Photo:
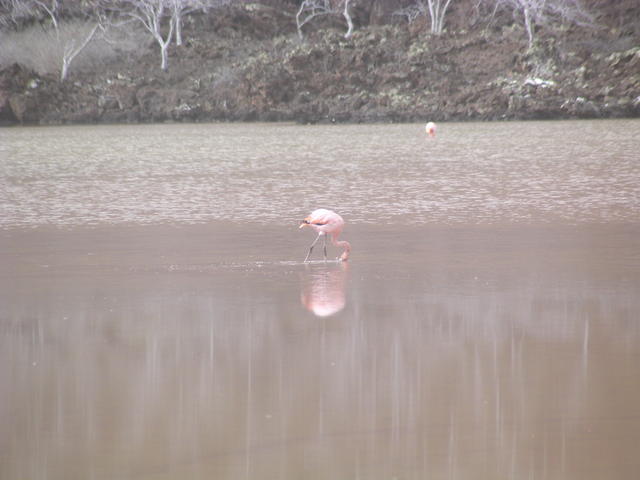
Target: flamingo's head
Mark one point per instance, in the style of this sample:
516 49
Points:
347 250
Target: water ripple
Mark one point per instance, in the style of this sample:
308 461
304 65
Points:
573 172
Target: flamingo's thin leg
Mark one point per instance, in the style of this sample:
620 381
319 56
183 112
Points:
325 248
313 245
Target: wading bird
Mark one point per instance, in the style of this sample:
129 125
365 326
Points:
431 129
326 222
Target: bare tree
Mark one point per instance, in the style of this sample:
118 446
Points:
152 14
72 49
180 8
347 16
51 7
437 10
70 45
310 9
543 12
413 11
15 11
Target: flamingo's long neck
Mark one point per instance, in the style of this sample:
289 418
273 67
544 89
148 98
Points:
342 244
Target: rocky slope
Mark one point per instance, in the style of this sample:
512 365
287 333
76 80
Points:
247 63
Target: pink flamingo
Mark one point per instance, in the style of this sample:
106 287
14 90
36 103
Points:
431 129
327 222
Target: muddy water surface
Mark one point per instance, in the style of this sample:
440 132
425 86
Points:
156 320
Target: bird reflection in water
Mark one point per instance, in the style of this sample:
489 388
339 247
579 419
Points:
324 288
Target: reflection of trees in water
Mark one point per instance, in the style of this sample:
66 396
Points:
508 383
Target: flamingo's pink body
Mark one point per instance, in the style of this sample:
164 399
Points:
327 222
431 129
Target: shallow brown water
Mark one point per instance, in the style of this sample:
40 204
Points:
470 342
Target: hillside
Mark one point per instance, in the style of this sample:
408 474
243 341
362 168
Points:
247 64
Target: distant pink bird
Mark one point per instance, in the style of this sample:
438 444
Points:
327 222
431 129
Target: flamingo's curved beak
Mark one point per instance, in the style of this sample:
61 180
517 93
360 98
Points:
304 223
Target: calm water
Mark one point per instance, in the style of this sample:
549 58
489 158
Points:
156 320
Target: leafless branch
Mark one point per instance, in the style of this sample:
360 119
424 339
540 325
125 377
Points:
437 11
543 12
310 9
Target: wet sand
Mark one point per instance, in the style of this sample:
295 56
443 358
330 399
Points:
211 351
